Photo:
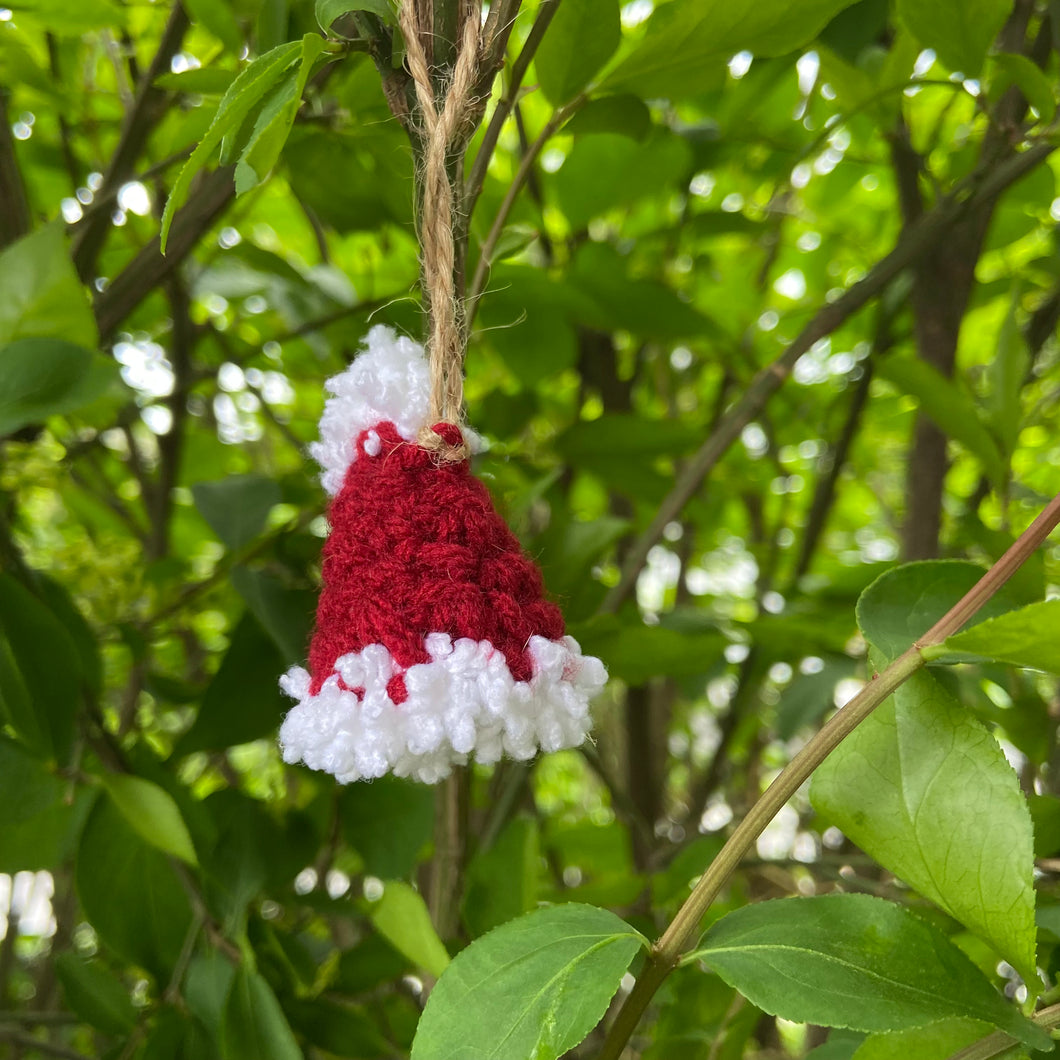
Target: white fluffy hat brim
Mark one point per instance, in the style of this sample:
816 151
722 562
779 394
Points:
463 702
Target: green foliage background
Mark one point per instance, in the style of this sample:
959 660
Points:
775 308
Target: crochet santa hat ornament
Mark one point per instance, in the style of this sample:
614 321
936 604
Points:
433 639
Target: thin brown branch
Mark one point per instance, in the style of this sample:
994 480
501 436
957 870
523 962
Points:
495 34
998 1042
149 268
140 120
477 176
230 559
42 1045
667 950
914 241
37 1019
833 464
14 216
171 444
522 174
450 851
104 199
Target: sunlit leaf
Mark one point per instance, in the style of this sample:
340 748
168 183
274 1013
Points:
925 789
401 917
534 987
152 813
852 960
580 39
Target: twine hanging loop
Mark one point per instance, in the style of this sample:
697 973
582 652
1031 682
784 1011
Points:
447 123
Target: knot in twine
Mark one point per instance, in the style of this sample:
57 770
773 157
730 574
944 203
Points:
445 442
447 124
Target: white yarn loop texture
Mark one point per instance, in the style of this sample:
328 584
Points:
388 381
463 701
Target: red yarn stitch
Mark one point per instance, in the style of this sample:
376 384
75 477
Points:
416 547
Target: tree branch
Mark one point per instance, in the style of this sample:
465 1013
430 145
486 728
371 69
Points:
14 217
666 952
140 120
914 241
832 468
495 34
999 1042
150 267
522 175
477 176
31 1043
170 444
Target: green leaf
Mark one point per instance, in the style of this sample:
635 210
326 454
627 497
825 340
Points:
951 409
623 435
26 787
340 1030
175 1035
529 324
608 170
686 46
83 637
643 306
327 11
1028 637
243 702
502 882
809 696
285 614
904 603
254 1026
532 988
936 1041
352 181
152 813
635 652
236 507
49 377
1045 813
204 80
580 39
924 788
275 120
95 995
40 294
37 821
841 1044
249 88
855 961
71 20
129 892
40 671
207 986
674 883
1037 89
388 822
625 114
570 548
1006 374
401 917
219 18
960 31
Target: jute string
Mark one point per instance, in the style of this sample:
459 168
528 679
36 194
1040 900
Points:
447 125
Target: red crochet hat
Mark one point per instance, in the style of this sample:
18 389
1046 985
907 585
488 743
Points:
433 639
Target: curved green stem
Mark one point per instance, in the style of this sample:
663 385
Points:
998 1042
666 952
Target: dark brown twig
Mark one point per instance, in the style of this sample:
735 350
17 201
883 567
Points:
915 240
